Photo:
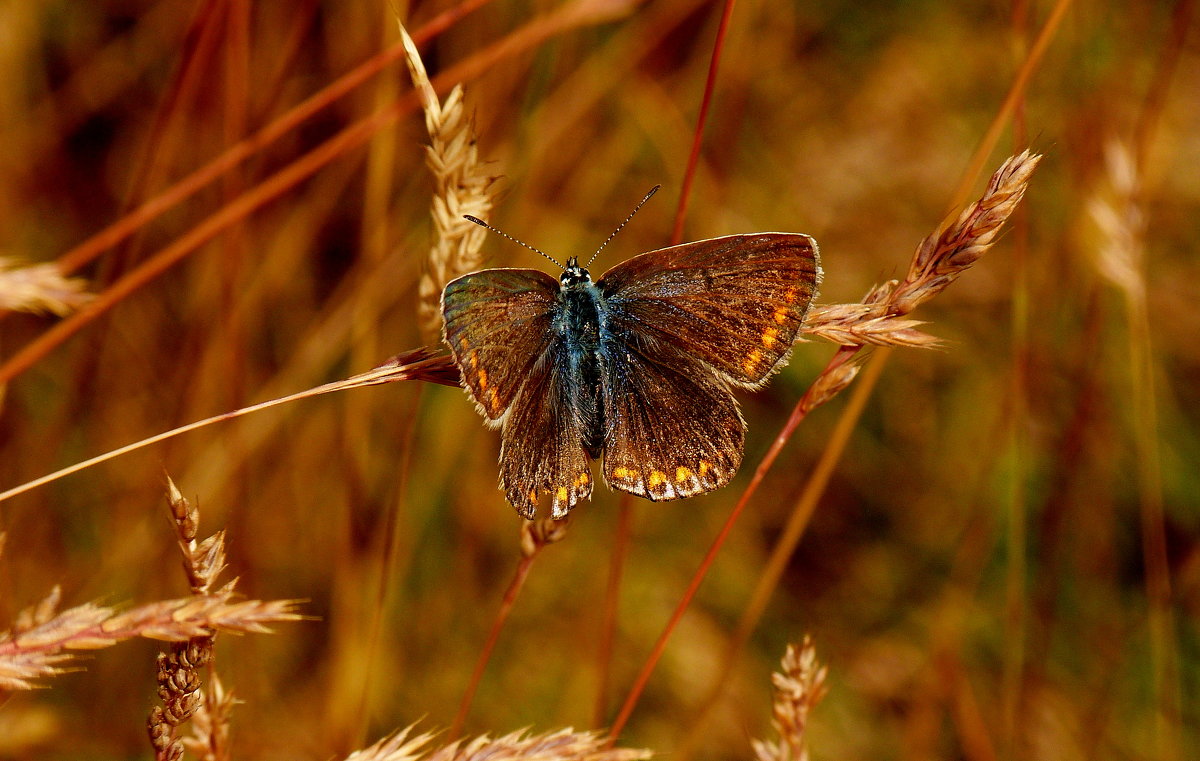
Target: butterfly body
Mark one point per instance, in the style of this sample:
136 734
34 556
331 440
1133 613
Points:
585 341
635 368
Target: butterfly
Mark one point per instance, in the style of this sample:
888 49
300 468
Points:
636 368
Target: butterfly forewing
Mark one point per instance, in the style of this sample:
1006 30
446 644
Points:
673 427
736 302
497 325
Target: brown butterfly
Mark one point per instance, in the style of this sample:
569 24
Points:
636 367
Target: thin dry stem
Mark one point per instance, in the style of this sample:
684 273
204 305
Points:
39 288
417 364
799 687
1120 258
463 186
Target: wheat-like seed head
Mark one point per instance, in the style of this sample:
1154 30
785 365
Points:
943 256
799 687
1118 218
203 561
463 186
209 740
864 325
41 638
879 320
563 745
39 288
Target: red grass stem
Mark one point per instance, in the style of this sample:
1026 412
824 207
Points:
608 616
506 606
806 403
710 86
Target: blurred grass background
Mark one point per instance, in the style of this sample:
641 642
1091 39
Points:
975 576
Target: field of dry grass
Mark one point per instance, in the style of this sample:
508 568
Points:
993 543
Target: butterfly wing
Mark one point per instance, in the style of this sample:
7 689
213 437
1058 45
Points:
736 302
499 327
673 426
686 323
541 446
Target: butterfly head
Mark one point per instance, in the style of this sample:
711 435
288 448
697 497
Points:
573 274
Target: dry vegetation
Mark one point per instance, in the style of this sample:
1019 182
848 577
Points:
995 546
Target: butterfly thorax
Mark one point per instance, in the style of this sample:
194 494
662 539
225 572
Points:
579 325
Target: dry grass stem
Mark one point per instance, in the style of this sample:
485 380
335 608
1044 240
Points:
39 288
799 687
417 364
463 186
563 745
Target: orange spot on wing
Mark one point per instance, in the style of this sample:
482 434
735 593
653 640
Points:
750 364
561 494
704 466
781 315
582 479
625 473
682 474
657 477
768 337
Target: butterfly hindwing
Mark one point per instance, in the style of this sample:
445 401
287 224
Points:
542 443
735 302
673 427
497 325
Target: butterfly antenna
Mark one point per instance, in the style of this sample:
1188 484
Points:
641 203
481 223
